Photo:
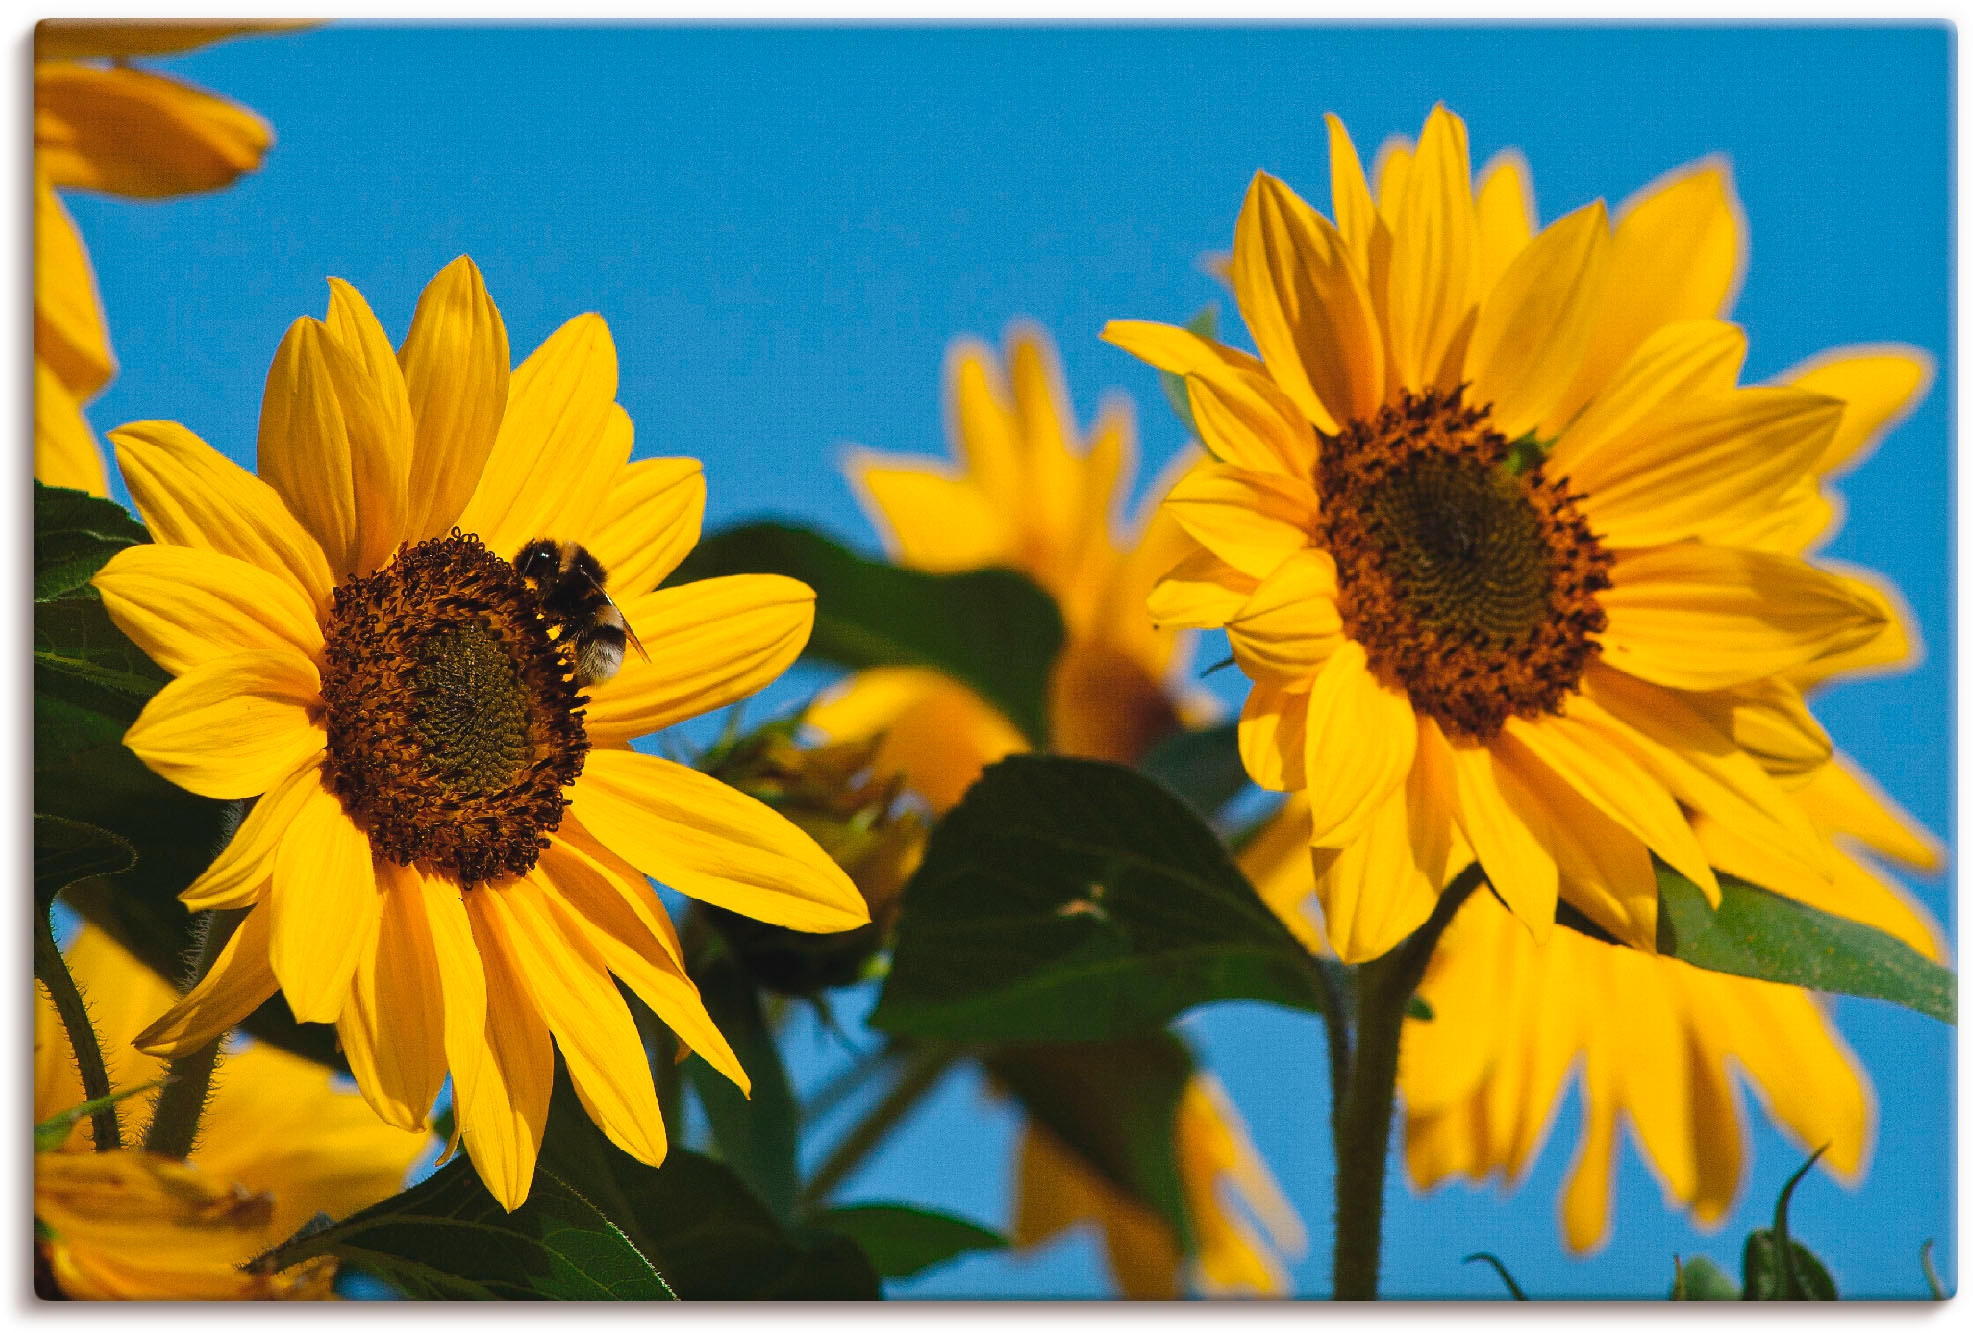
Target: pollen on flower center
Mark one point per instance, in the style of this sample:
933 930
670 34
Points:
453 714
1471 586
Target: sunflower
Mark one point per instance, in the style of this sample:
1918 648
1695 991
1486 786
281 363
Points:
1652 1035
448 852
119 130
1030 496
279 1145
1502 548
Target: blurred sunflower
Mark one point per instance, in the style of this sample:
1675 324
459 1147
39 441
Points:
1491 530
278 1145
1030 496
446 859
1652 1035
119 130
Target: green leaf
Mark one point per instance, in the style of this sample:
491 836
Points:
698 1223
903 1241
1755 933
1493 1261
75 533
53 1132
755 1135
66 851
1206 325
1069 899
448 1239
1700 1279
1114 1104
990 628
1201 768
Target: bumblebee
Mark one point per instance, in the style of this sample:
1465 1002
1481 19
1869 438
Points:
569 581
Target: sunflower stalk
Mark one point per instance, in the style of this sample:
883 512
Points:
188 1078
51 970
1364 1104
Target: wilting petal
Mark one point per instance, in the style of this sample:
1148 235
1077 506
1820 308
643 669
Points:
1534 323
1361 738
1698 617
1306 306
393 1028
455 364
648 523
190 494
326 907
233 727
714 641
710 842
236 984
186 607
129 131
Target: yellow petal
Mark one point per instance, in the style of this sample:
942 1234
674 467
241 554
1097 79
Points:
1892 646
1349 193
613 914
1251 520
129 131
1604 869
1200 591
1434 251
87 39
1706 468
571 988
354 325
65 452
928 517
455 361
1505 208
233 727
393 1028
986 434
186 607
236 984
462 983
1274 737
1506 828
560 446
575 854
1361 738
1688 359
1700 617
326 904
1533 325
503 1118
714 641
1290 626
68 315
1843 798
1678 253
1878 386
190 494
240 874
649 521
1243 418
1306 306
1771 721
1372 892
710 842
936 732
1277 861
1590 760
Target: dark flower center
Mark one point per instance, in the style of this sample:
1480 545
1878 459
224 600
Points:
1470 584
453 714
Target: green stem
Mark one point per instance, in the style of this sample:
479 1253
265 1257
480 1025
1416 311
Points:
52 971
925 1067
188 1078
1363 1129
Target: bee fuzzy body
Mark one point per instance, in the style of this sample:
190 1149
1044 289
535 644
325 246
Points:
570 582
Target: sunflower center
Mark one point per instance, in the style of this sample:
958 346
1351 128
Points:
453 715
1471 585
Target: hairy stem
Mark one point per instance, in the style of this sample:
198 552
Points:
923 1069
188 1078
1363 1130
52 971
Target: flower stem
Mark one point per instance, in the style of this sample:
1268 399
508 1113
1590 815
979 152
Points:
188 1079
52 971
924 1068
1363 1128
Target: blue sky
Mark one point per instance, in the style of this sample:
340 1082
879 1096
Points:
785 227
